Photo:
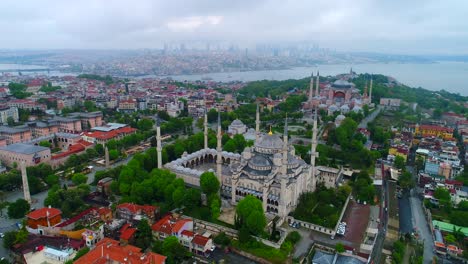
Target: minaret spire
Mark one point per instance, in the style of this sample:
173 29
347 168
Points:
24 176
311 87
313 154
257 123
205 132
284 172
106 156
219 150
370 89
158 143
365 90
317 84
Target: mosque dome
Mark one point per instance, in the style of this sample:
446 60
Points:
342 84
340 118
237 122
269 141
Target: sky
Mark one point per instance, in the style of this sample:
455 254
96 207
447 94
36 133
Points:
397 26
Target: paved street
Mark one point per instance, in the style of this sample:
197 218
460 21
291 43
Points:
370 117
406 224
420 222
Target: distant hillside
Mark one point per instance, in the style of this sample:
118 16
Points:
383 87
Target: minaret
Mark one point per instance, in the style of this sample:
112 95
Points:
158 143
313 155
24 176
257 124
317 84
106 156
205 132
219 150
370 90
284 172
365 90
311 87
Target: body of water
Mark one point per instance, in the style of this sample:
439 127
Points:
20 67
450 76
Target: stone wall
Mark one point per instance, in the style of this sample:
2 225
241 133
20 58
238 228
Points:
212 228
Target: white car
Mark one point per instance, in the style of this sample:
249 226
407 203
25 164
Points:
212 248
2 235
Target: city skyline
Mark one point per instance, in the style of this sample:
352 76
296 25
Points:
417 27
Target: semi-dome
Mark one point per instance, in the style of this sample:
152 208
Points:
342 84
259 161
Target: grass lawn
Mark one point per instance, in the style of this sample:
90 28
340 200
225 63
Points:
263 251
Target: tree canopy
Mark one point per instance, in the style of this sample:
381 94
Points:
250 215
18 209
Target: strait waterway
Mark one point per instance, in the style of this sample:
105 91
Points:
450 76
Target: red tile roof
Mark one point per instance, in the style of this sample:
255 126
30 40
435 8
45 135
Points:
454 182
436 128
103 135
188 233
111 249
169 225
42 213
200 240
135 208
179 224
128 233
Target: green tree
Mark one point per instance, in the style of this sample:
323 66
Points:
9 239
18 209
339 247
46 144
173 250
144 235
405 180
79 178
145 124
90 106
442 194
399 162
192 198
52 179
10 121
230 146
113 154
81 253
215 207
209 183
249 214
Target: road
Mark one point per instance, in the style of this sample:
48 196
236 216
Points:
420 222
370 117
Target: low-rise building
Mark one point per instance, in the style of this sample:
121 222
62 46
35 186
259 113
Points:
171 226
45 217
133 212
111 251
8 113
16 134
31 155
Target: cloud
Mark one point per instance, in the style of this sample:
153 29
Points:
419 26
192 23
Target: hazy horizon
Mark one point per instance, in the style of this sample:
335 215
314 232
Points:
396 27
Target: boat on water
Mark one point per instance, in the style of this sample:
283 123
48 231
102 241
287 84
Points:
207 78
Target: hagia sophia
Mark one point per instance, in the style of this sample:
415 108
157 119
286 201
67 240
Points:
340 96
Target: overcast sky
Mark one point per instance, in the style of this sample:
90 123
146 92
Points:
396 26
